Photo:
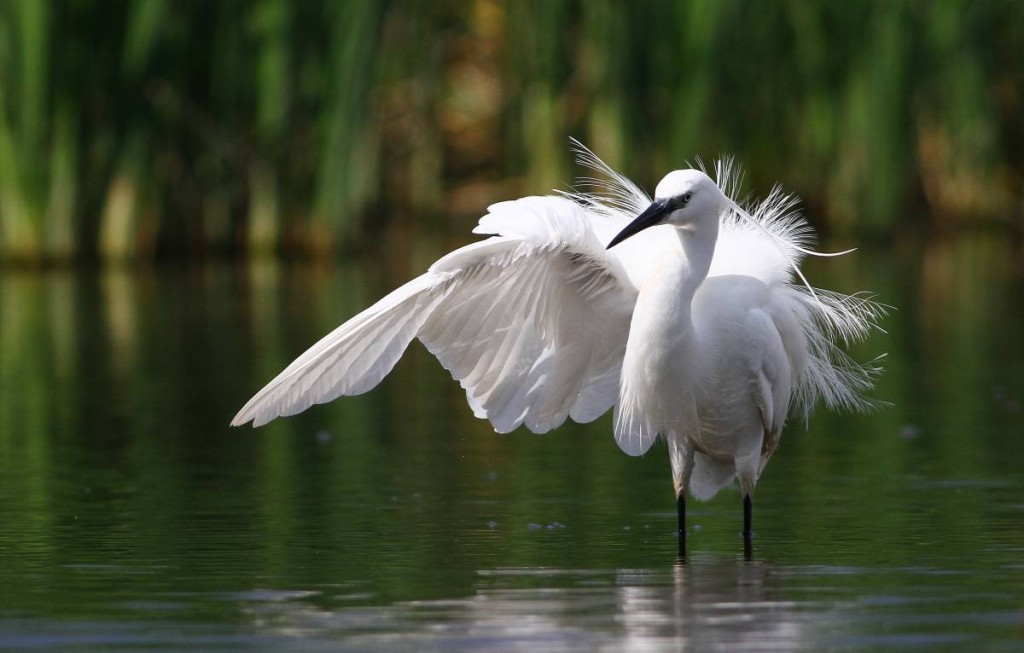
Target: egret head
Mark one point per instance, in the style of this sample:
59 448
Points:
684 199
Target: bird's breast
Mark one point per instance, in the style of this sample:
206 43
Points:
661 341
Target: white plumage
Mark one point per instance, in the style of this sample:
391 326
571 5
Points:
691 329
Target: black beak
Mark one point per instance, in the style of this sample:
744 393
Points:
652 215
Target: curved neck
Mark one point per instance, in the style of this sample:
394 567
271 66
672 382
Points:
698 242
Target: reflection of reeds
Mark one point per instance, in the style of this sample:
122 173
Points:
128 129
115 392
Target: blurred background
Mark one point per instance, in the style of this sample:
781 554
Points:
151 129
192 192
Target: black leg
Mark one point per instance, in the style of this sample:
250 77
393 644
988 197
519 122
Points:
748 544
681 512
748 508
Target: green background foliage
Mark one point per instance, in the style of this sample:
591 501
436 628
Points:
147 128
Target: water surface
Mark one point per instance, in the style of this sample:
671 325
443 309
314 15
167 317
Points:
132 517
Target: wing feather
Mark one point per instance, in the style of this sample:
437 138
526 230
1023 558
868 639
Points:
351 359
542 326
532 322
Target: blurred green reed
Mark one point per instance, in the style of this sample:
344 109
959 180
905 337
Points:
145 128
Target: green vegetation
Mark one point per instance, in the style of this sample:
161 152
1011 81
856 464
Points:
130 130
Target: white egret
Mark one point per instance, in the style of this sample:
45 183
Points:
688 323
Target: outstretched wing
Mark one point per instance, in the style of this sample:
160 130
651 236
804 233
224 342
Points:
533 323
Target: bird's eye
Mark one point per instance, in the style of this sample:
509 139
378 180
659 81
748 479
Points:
687 196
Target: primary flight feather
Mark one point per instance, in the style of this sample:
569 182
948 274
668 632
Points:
680 312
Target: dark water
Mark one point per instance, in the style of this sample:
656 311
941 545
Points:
132 517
